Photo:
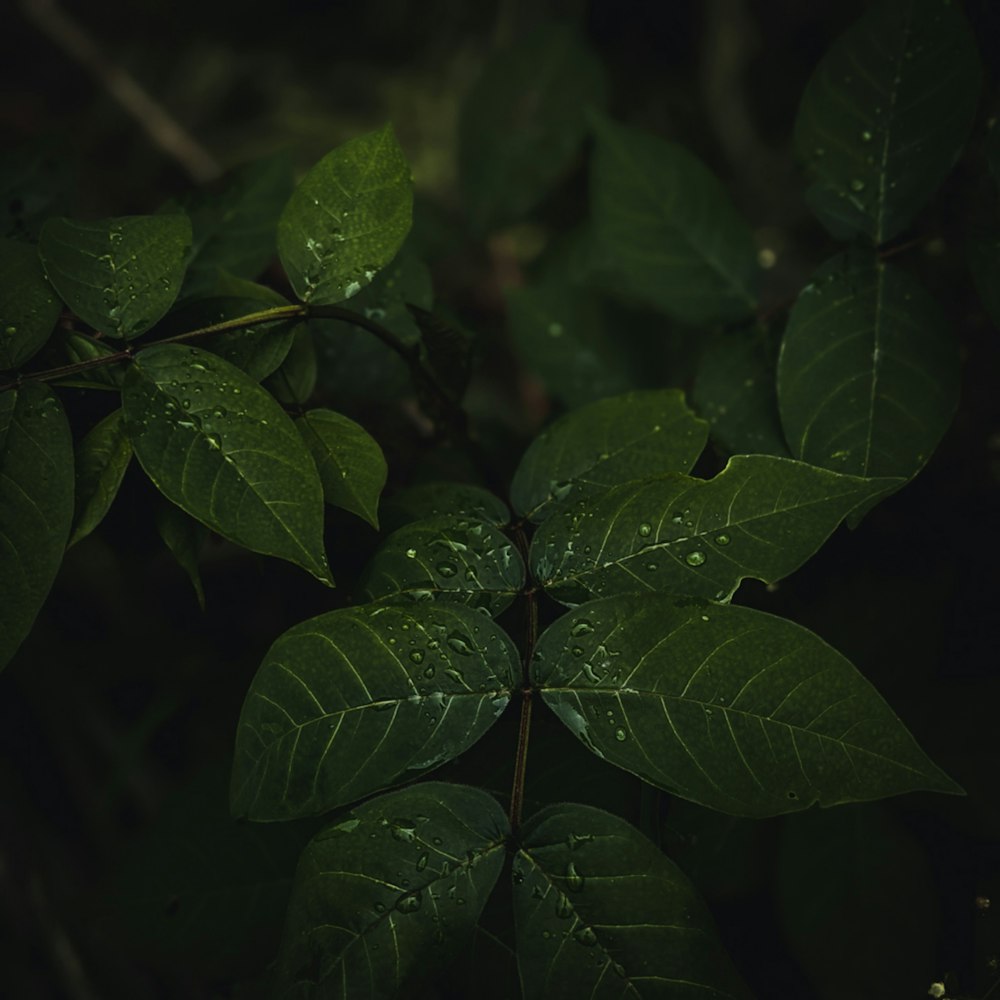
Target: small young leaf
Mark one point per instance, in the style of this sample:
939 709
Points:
101 460
728 707
363 698
601 913
761 517
119 275
184 537
72 348
448 558
429 499
217 445
295 381
36 506
868 374
885 115
347 218
588 451
351 465
391 892
28 306
523 123
678 242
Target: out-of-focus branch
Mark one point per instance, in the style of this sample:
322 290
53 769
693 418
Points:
164 130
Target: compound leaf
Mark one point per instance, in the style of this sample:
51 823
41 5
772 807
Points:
217 445
362 698
728 707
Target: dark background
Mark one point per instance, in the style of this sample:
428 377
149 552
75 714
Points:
117 717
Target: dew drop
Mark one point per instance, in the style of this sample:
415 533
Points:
564 908
645 530
722 539
866 136
857 185
621 735
446 569
422 862
403 830
695 558
461 644
581 627
411 553
586 937
573 878
417 656
409 902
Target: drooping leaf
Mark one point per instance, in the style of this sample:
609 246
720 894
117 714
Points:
885 115
184 536
351 465
36 505
347 218
217 445
390 893
868 374
735 393
728 707
407 280
601 913
523 122
355 365
446 352
429 499
362 698
632 436
558 331
119 275
678 243
448 558
295 380
28 306
983 255
761 517
101 460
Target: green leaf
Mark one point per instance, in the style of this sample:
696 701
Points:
983 255
428 499
73 348
761 517
590 450
351 465
559 333
101 460
363 698
36 506
119 275
868 374
735 393
184 537
446 352
601 913
217 445
523 123
391 892
885 115
28 307
407 280
449 558
347 218
295 381
728 707
679 244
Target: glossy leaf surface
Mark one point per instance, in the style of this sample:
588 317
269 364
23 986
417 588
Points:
219 446
728 707
761 517
101 460
362 698
119 275
678 242
448 558
885 115
29 307
601 913
347 218
36 506
390 892
632 436
868 374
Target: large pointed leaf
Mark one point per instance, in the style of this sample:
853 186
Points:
761 517
101 460
440 497
28 306
219 446
36 505
390 893
351 465
731 708
523 122
676 239
885 116
362 698
119 275
454 559
601 913
347 218
586 452
868 374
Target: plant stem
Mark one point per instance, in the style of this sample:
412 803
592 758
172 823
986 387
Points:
520 760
